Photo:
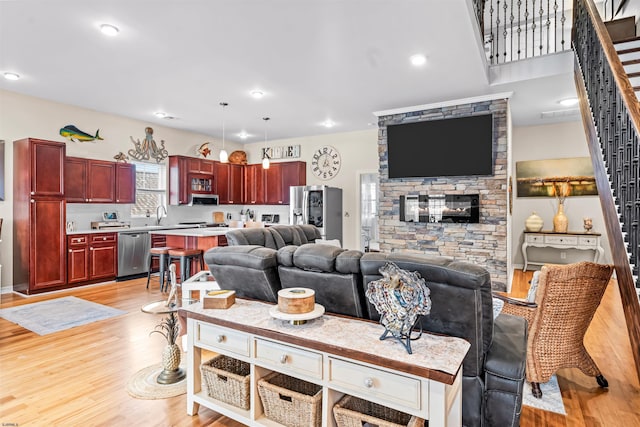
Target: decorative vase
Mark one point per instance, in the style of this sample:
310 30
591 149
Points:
533 223
560 220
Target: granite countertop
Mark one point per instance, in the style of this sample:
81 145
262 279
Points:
195 232
432 352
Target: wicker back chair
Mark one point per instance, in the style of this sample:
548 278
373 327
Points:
566 300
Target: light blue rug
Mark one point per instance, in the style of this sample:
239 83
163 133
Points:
58 314
551 397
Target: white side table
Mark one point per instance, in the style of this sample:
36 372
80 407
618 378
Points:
571 240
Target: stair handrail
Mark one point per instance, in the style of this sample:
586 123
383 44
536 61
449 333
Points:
622 81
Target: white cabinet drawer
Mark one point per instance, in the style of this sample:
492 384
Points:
589 242
561 240
534 238
370 382
223 339
289 359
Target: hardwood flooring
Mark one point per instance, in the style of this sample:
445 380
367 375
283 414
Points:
78 376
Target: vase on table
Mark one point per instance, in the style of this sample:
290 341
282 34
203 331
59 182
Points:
560 220
533 223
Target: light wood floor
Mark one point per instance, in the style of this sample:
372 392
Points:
78 377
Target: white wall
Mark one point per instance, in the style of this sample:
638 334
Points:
552 142
359 153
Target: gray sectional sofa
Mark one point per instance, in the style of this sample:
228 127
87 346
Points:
261 261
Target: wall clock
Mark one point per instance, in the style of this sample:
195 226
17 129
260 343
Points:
325 163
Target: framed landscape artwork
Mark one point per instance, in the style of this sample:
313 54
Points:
543 178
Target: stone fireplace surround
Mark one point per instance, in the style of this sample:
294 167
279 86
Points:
484 243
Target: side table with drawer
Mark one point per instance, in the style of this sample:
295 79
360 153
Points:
571 240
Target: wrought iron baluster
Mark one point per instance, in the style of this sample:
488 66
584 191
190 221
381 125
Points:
541 12
504 30
562 20
519 31
497 31
533 29
492 40
511 18
526 25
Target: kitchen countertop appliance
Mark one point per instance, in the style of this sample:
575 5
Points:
133 254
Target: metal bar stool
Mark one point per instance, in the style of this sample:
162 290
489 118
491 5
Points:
162 254
185 256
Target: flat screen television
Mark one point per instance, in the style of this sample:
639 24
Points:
461 146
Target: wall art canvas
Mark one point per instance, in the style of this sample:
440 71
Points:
542 178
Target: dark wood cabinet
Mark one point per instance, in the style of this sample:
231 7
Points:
39 240
229 183
77 258
92 257
201 166
188 175
254 185
99 181
125 183
273 185
292 174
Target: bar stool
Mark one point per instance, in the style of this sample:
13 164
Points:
162 254
185 256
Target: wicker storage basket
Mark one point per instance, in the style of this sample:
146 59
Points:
227 379
291 401
353 412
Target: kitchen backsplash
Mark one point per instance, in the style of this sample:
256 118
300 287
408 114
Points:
83 214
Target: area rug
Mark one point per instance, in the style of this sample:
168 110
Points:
47 317
143 385
551 397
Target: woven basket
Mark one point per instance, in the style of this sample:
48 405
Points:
353 412
227 380
291 401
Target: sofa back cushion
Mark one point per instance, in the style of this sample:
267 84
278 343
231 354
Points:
460 295
251 236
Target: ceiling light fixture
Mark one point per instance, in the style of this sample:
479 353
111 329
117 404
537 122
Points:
569 102
243 135
11 76
160 114
224 157
109 30
418 60
328 123
257 94
265 157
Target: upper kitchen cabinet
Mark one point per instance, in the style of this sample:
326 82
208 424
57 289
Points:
229 180
98 181
273 185
42 172
125 183
279 177
200 166
188 175
254 184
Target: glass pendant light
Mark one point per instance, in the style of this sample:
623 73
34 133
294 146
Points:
224 157
265 157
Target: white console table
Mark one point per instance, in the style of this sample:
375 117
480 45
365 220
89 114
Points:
343 355
571 240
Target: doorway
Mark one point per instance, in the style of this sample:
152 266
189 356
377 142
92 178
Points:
369 235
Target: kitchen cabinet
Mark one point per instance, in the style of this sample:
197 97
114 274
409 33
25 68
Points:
188 175
39 210
98 181
273 185
292 174
91 257
125 183
229 179
254 184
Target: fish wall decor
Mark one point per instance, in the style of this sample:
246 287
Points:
72 133
204 150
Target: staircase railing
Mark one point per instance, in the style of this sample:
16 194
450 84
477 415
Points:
520 29
611 117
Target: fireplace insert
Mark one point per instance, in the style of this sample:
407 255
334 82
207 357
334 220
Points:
444 208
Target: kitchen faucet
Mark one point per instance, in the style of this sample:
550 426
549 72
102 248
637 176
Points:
159 210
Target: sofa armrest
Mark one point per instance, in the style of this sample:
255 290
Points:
505 365
514 301
285 255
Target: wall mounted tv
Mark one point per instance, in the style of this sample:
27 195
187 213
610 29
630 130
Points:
461 146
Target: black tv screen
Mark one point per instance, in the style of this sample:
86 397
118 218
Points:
460 146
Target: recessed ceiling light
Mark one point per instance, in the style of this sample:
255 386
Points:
328 123
569 102
243 135
418 60
12 76
109 30
160 114
257 94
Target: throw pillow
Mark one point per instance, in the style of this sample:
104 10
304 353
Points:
531 295
334 242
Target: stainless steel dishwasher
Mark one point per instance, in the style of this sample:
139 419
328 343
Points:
133 253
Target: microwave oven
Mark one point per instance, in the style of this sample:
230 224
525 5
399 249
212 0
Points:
204 200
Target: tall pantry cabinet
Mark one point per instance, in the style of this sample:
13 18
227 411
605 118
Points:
39 238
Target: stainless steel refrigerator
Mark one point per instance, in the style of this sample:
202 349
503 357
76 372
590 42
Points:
317 205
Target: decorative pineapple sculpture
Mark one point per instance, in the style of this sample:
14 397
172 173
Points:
171 357
169 328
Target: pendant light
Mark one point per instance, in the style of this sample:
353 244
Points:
265 157
224 157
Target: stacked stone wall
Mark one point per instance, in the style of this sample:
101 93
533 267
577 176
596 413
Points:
484 243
